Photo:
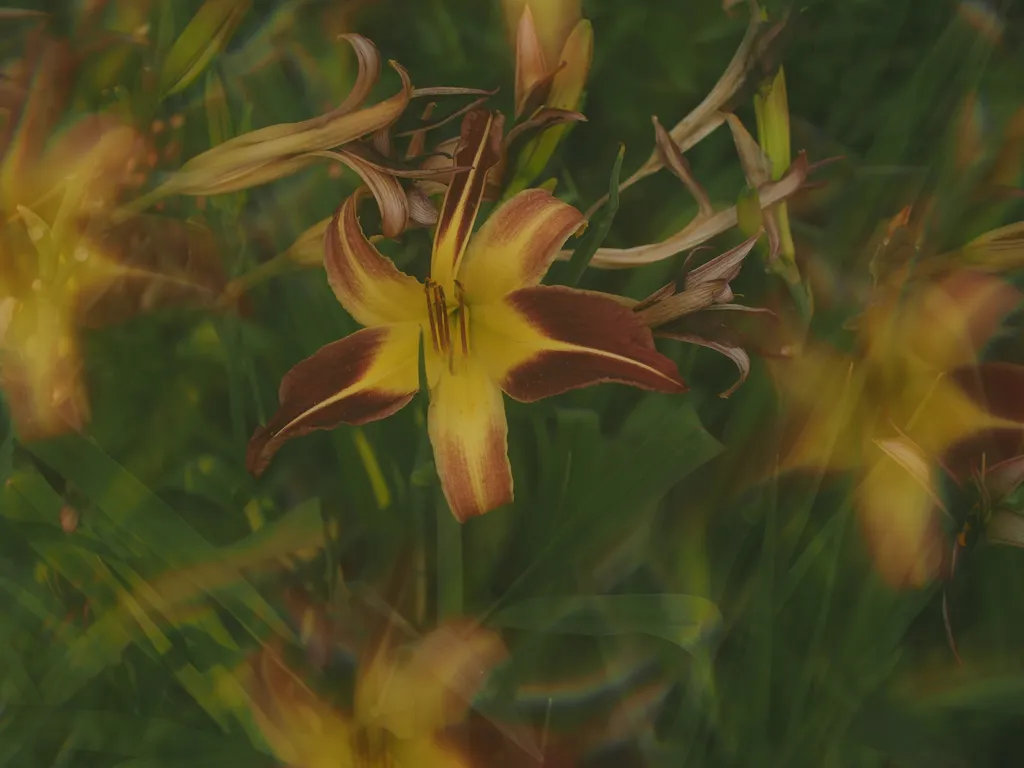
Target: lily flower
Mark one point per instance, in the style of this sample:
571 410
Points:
400 710
896 410
487 324
63 262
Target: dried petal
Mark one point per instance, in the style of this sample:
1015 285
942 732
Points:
706 117
673 158
270 153
385 188
543 119
700 230
737 354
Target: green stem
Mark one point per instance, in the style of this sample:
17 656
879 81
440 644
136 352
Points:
449 562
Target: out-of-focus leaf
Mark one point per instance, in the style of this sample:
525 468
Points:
591 241
6 445
218 116
167 541
206 35
997 250
16 14
681 619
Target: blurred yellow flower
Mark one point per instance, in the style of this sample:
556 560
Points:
62 257
891 411
404 699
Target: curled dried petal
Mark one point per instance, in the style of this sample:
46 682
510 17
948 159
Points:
700 230
390 197
670 155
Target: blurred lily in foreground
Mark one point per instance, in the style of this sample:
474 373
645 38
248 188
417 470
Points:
402 704
683 310
893 411
63 263
488 327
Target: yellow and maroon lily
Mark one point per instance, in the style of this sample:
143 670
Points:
487 324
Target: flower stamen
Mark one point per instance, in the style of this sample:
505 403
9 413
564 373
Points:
463 311
428 291
437 311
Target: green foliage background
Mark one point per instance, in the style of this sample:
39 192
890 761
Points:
756 611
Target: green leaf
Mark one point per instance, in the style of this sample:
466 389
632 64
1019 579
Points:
206 35
595 234
166 543
684 620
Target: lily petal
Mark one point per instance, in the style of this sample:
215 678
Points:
362 378
270 153
699 230
516 245
385 188
725 266
531 67
554 20
545 340
677 163
737 354
479 150
432 686
467 427
901 528
571 75
368 285
300 728
368 58
542 120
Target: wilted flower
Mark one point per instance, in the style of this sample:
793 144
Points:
403 702
491 329
683 310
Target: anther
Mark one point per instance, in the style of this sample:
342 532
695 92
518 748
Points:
463 310
437 312
441 308
429 290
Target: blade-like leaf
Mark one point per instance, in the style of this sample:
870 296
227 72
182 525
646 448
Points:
206 35
684 620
